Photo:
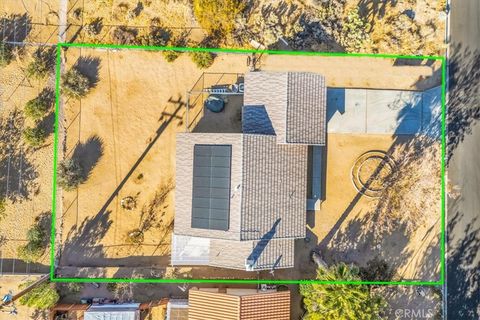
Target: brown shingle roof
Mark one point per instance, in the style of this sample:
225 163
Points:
296 103
206 305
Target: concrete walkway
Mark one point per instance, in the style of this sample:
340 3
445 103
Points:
383 111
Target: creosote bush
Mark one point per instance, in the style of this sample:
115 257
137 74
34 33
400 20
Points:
6 53
75 84
43 62
202 59
38 107
171 55
135 236
35 136
35 247
70 174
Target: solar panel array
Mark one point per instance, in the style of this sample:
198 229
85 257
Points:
211 186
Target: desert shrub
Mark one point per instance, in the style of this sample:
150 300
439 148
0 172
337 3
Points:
124 35
158 36
3 208
36 245
354 32
135 236
43 62
94 27
75 84
217 16
342 302
202 59
171 55
6 53
70 174
38 107
376 270
35 136
74 287
43 296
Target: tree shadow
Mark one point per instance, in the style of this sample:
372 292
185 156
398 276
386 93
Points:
17 173
462 269
464 95
88 154
374 9
386 229
89 66
82 242
15 27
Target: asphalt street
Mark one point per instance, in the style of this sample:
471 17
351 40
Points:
463 149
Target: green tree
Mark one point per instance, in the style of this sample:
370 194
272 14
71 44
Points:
217 16
42 63
70 174
35 136
202 59
38 107
75 84
43 296
6 53
36 245
340 301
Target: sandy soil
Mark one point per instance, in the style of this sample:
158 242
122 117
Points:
11 283
125 130
348 227
29 178
37 20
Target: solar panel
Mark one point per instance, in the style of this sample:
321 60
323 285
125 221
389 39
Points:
211 186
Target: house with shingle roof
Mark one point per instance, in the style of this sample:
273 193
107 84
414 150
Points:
241 198
231 304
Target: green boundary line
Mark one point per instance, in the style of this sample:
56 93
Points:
247 281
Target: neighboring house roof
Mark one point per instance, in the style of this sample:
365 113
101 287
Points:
113 312
223 306
177 309
296 103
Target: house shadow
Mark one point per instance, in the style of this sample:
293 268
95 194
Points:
88 154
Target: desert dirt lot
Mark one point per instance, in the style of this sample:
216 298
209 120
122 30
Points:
31 21
25 172
124 133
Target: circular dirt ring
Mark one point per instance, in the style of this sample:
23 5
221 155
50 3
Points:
370 171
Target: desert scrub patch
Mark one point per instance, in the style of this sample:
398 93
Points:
38 107
42 63
217 16
36 244
34 136
202 59
75 84
70 174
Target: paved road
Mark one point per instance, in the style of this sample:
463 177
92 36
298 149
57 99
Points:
463 212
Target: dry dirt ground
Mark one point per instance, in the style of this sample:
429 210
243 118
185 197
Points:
25 172
124 131
11 283
33 21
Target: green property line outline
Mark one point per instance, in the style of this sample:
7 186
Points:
248 281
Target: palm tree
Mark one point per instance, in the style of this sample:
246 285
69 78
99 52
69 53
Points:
340 301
